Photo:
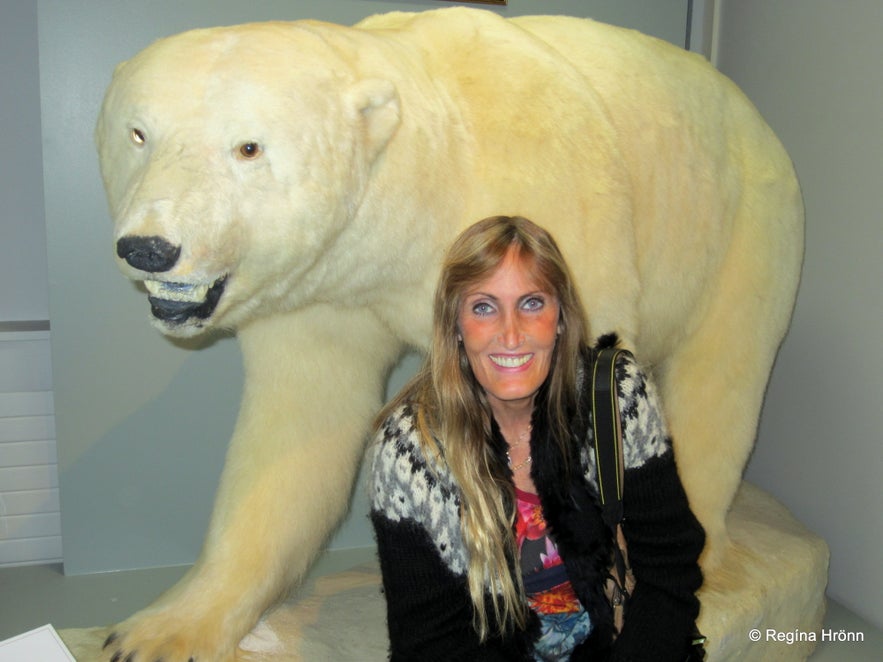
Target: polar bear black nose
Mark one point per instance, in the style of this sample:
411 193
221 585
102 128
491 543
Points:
151 254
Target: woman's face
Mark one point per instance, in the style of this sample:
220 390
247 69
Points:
509 324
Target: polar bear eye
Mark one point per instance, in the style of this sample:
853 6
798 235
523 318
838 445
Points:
250 150
137 136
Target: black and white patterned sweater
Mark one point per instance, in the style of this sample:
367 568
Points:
415 512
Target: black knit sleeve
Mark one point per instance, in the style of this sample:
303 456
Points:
429 613
415 513
664 542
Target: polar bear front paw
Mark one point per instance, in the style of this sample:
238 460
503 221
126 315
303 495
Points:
157 639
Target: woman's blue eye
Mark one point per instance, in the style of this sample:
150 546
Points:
533 303
482 309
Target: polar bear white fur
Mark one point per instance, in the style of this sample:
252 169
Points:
298 182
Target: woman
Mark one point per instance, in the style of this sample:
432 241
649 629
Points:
489 533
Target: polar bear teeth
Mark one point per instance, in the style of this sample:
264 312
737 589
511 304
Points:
176 291
177 304
511 361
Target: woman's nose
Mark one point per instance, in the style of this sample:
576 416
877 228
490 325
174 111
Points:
511 335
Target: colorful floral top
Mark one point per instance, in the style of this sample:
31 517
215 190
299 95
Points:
546 584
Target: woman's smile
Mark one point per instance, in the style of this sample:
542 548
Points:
506 361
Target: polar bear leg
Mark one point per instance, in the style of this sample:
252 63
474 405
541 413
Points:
313 383
713 382
712 406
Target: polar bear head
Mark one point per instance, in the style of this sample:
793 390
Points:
234 160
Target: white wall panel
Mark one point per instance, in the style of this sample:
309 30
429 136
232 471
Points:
30 551
30 519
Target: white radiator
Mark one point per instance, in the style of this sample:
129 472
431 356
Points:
30 522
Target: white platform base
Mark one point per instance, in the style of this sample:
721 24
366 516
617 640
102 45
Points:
772 579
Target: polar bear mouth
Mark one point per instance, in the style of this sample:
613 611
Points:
176 303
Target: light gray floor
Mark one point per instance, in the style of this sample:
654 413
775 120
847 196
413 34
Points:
31 596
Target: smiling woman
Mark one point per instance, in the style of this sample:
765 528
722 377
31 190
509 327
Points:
487 440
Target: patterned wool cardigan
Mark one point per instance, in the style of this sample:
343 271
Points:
415 512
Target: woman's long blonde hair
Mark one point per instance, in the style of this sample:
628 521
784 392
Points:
454 410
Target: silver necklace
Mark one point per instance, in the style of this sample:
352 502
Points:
521 439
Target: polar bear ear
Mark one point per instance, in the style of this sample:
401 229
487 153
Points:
375 103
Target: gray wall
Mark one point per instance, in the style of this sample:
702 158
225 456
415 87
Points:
813 69
142 422
24 294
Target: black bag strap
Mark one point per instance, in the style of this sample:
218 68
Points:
610 463
607 432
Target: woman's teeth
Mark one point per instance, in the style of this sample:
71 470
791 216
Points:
511 361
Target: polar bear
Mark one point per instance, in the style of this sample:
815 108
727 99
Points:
298 182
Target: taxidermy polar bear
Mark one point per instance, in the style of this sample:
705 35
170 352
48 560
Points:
298 182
